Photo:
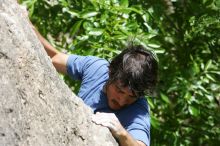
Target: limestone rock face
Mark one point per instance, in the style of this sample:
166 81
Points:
36 106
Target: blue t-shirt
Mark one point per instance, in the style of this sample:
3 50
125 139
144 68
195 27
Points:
93 74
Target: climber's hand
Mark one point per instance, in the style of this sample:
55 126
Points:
111 121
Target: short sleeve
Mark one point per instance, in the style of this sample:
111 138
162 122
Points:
90 70
80 67
136 120
75 66
140 132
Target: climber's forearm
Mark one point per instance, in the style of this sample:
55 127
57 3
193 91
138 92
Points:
59 59
51 51
111 121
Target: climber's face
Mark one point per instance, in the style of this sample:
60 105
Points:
119 96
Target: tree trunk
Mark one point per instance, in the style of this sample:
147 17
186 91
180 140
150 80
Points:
36 106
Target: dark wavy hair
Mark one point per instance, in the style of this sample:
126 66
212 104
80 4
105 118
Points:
137 68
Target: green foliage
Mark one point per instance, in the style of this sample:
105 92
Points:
100 28
184 34
188 111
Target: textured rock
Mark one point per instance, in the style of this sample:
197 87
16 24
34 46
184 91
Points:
36 106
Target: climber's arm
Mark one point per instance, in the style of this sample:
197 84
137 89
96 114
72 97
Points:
59 59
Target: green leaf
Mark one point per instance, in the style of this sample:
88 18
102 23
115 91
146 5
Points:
31 11
209 97
87 25
155 122
208 2
104 17
89 14
196 68
202 88
63 3
113 50
136 9
149 100
96 32
165 98
124 3
120 37
210 77
193 111
145 17
153 45
52 3
83 38
215 72
95 4
208 65
71 12
159 51
149 36
30 5
75 27
148 27
188 96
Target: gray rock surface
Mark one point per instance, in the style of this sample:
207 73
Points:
36 106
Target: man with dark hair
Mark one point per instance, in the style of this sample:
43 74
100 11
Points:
114 91
136 68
